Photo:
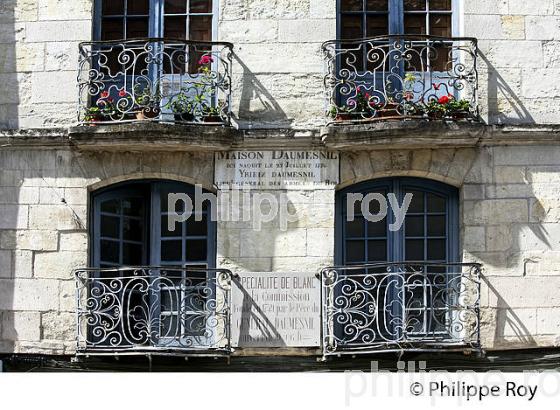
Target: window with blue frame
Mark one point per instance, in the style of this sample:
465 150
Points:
176 19
369 18
429 232
404 274
130 228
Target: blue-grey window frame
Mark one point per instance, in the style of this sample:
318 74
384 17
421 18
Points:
396 240
155 25
396 18
152 247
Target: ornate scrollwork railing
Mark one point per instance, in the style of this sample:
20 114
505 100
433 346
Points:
400 306
151 309
401 76
156 79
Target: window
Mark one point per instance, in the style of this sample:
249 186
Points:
130 231
130 228
399 285
429 233
369 18
179 19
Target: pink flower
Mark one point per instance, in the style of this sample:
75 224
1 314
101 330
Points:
443 100
122 93
105 94
206 59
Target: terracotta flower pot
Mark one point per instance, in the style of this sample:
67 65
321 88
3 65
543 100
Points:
147 114
212 118
184 117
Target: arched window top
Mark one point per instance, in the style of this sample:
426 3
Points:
428 230
130 227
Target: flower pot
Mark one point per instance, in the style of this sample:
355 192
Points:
212 118
184 117
389 110
459 115
147 113
435 115
344 116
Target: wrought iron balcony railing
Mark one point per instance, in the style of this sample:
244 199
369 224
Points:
153 309
400 306
401 76
164 80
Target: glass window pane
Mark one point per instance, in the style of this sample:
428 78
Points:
440 25
109 251
195 250
171 251
200 28
112 206
377 5
132 254
415 23
201 6
112 7
197 228
110 226
177 230
178 206
377 25
169 299
436 249
355 228
377 229
414 226
169 326
355 251
417 203
414 250
435 203
132 229
440 5
413 5
351 5
351 27
138 7
137 27
175 27
377 251
175 6
133 206
112 29
436 226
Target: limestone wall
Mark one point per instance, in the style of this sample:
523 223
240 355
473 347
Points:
510 223
278 64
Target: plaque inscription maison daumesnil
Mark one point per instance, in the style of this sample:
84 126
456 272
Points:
276 169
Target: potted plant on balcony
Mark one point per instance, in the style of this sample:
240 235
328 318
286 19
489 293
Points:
148 103
181 107
458 109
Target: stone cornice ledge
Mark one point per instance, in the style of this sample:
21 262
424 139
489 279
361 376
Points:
153 136
403 134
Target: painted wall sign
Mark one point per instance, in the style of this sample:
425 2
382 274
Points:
277 169
271 309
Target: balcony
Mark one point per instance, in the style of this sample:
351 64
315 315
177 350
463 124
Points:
401 77
162 310
154 80
400 307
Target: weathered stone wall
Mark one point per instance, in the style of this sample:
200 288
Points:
278 66
510 222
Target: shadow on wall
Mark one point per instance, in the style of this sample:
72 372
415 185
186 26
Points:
9 90
256 104
498 89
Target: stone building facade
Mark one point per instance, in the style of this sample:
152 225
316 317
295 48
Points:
506 167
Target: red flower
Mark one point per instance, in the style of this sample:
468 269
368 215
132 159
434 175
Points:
122 93
368 96
443 100
105 94
205 59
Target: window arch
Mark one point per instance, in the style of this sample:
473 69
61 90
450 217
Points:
429 232
129 227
